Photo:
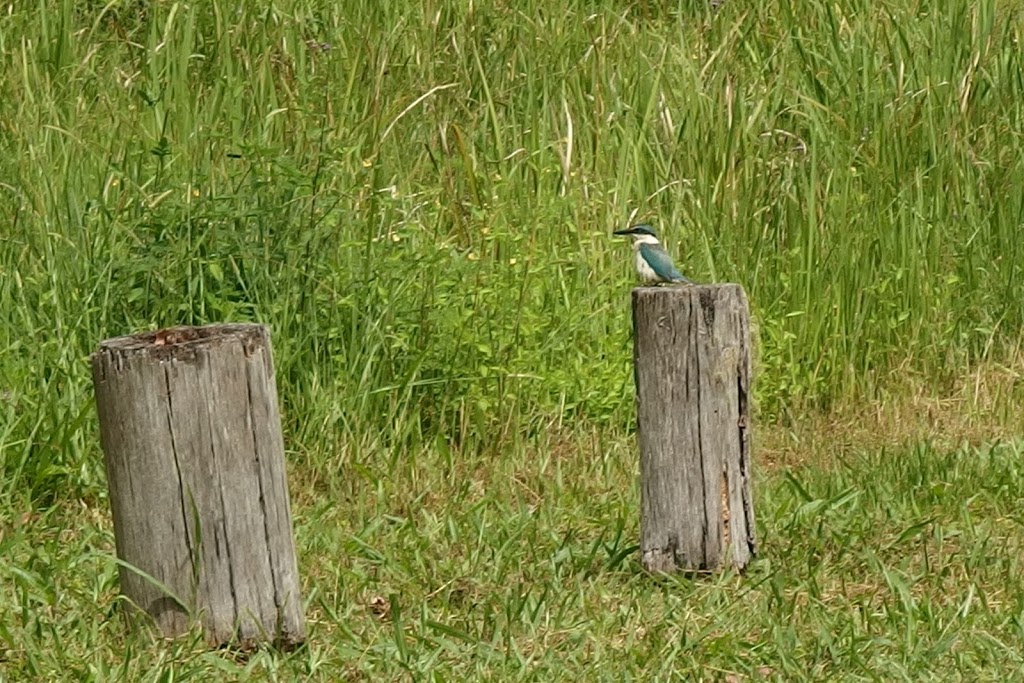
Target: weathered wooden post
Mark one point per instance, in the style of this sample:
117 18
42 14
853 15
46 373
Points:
692 368
195 465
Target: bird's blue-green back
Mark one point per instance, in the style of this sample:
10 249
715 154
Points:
661 263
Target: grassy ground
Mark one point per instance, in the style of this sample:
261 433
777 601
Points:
419 202
900 564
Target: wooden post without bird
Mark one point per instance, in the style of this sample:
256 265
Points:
692 370
195 465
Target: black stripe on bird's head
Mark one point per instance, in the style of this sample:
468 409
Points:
642 229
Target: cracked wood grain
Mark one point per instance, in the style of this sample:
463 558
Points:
195 466
692 373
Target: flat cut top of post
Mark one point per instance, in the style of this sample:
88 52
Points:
181 343
653 290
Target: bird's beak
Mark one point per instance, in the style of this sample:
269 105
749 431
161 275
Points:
625 231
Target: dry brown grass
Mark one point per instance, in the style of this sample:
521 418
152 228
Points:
983 406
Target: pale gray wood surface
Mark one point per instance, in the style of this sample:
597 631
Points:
195 465
692 372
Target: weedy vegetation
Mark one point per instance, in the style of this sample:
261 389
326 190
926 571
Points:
418 199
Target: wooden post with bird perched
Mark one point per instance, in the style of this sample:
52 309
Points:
194 457
693 379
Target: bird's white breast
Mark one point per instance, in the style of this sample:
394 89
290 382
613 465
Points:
644 269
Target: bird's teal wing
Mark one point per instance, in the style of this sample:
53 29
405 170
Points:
661 263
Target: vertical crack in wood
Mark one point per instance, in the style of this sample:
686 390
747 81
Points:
227 548
272 560
705 561
707 305
224 522
128 470
181 479
743 398
726 512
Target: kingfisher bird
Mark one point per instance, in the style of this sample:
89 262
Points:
653 263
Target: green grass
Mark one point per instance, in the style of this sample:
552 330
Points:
419 202
890 566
